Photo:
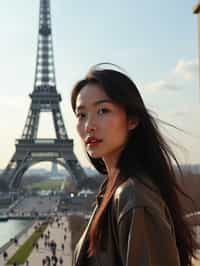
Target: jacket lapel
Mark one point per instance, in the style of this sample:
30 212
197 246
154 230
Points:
81 245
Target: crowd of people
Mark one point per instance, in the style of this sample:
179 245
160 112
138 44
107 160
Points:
53 259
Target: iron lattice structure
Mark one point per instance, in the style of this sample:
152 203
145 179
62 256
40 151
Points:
44 98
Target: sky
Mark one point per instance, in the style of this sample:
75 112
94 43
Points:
154 41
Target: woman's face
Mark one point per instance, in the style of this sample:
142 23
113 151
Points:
102 125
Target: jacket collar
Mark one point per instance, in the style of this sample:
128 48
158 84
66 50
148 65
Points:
101 192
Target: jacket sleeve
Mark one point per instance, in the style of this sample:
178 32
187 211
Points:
146 239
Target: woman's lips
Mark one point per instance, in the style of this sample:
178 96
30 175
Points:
92 140
94 144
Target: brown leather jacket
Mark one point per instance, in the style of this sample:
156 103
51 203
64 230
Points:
139 229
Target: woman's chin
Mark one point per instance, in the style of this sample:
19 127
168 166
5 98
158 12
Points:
94 154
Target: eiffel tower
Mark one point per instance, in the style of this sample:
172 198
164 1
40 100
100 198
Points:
44 98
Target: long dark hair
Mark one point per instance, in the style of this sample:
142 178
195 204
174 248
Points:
147 150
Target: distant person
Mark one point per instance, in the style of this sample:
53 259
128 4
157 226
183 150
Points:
48 260
54 260
5 255
16 241
61 261
43 262
138 219
54 247
45 243
37 246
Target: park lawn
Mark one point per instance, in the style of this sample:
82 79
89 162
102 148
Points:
47 185
24 251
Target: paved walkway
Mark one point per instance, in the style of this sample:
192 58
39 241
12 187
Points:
56 234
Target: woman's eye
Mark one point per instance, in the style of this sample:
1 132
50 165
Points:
103 111
80 115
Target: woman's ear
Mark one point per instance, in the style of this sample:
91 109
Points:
133 123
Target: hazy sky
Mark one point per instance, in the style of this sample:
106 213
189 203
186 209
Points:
155 41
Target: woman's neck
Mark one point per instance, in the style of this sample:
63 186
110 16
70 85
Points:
111 164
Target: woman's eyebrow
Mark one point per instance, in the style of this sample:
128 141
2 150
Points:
102 101
80 107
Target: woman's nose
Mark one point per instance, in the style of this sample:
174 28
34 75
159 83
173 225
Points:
90 125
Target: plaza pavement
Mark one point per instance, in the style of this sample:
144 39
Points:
42 204
56 234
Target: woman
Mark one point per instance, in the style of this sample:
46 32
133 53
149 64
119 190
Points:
137 220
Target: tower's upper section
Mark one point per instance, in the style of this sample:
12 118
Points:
45 69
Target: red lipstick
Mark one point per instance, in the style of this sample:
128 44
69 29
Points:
92 141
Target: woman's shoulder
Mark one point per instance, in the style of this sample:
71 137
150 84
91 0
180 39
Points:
136 193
